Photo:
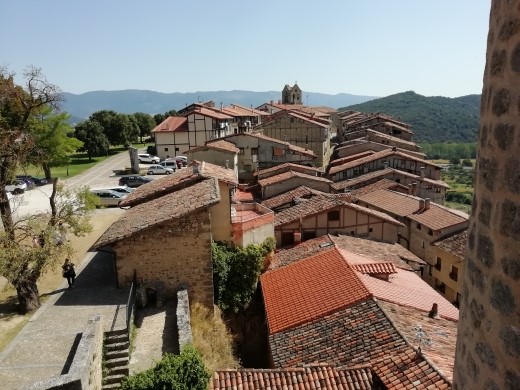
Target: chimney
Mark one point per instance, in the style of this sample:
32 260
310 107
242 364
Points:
434 312
414 188
195 165
271 102
394 148
427 203
348 196
297 238
421 204
422 171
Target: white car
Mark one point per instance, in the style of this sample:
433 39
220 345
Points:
109 197
157 169
18 187
148 158
122 189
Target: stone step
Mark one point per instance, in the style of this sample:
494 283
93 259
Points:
117 346
118 338
114 362
116 332
111 386
118 353
111 379
119 370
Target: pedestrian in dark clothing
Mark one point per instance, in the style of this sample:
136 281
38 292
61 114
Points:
69 272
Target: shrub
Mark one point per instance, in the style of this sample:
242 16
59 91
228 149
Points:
173 372
459 197
236 272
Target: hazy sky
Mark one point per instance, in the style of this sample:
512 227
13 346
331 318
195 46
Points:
362 47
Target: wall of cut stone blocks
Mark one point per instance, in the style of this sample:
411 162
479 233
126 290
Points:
488 347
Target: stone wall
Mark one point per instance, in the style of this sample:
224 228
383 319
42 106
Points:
176 253
183 319
85 371
488 349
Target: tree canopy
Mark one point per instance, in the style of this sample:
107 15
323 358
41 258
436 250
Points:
146 124
95 142
119 129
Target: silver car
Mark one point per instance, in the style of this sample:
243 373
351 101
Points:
157 169
109 198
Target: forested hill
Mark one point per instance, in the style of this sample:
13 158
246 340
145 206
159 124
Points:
433 119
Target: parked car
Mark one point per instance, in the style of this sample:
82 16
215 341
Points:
148 158
169 164
30 183
134 181
183 160
157 169
109 197
36 180
18 187
122 189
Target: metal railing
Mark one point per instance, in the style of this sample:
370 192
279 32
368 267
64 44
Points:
130 305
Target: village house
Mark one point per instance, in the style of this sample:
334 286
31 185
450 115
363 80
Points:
385 159
375 121
448 271
425 221
286 181
218 152
257 151
300 130
372 312
326 214
287 199
286 167
417 185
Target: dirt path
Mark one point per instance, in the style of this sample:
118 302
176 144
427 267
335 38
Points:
10 321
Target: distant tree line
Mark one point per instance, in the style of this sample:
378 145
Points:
433 119
450 151
107 128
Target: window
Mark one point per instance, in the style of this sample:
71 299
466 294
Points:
370 230
437 190
418 226
429 269
429 186
176 149
254 151
398 180
292 120
352 232
333 215
241 151
430 232
454 274
165 149
308 235
438 264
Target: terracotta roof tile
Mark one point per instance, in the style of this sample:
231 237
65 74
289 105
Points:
454 244
219 144
247 110
437 217
285 167
383 184
309 289
171 124
287 175
154 212
407 369
344 160
357 334
319 377
289 146
320 203
177 180
209 112
289 196
375 268
437 337
305 249
382 251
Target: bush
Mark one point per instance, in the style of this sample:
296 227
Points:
174 372
459 197
236 272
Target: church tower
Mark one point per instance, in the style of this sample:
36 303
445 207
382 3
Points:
292 95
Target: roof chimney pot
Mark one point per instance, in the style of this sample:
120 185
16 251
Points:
434 312
427 203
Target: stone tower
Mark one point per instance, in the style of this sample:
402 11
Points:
488 344
292 95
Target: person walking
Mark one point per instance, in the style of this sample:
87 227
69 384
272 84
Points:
69 272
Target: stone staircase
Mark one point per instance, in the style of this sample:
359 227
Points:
116 345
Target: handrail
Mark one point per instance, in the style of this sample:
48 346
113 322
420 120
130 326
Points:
131 301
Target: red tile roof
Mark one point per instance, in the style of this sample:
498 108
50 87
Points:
209 112
219 144
320 203
171 124
262 173
289 196
375 268
437 337
179 179
358 334
407 369
304 250
289 146
406 288
383 184
376 156
318 377
157 211
382 251
310 289
344 160
290 174
251 111
454 244
437 217
392 138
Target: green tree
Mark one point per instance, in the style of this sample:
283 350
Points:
118 128
19 107
185 371
159 118
145 122
23 259
53 141
236 272
95 142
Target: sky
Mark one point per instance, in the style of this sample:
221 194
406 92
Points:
361 47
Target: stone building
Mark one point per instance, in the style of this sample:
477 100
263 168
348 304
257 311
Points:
292 95
488 349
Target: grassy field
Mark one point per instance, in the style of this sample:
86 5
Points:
78 164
